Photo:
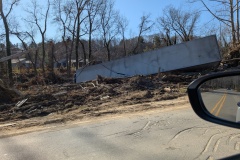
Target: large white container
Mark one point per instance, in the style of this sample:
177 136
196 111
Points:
204 51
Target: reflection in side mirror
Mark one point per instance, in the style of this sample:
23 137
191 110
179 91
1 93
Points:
221 97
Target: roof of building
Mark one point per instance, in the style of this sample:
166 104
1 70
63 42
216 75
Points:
18 60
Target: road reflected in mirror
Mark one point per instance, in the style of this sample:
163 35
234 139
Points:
221 96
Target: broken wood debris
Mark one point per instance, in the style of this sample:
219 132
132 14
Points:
101 94
20 103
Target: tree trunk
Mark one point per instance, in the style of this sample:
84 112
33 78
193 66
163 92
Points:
232 22
77 42
70 58
43 56
238 36
90 43
8 45
35 61
84 53
26 48
108 52
67 59
124 46
134 51
52 61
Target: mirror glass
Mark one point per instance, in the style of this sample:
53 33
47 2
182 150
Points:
221 96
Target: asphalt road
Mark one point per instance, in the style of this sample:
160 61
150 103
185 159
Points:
175 133
222 103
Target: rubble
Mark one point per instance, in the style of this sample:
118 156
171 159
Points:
7 94
101 95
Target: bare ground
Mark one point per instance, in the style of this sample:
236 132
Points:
36 104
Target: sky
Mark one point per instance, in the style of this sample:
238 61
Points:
134 9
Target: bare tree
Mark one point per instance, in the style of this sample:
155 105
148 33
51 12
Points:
145 25
123 24
109 25
62 17
80 6
227 12
7 34
51 48
93 8
22 36
238 29
33 48
71 23
76 20
156 41
182 23
71 27
39 18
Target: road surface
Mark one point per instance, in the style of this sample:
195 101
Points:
171 133
222 103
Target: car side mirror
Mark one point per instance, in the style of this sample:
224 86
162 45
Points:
216 98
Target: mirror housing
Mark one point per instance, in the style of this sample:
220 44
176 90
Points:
198 105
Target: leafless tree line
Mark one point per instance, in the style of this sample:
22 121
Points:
89 29
227 13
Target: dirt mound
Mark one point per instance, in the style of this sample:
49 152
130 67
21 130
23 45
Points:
178 78
45 96
7 95
141 82
32 79
104 80
42 97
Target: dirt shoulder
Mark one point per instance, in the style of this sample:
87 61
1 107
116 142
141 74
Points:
58 121
41 105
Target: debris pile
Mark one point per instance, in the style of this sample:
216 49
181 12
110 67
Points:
41 98
6 94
